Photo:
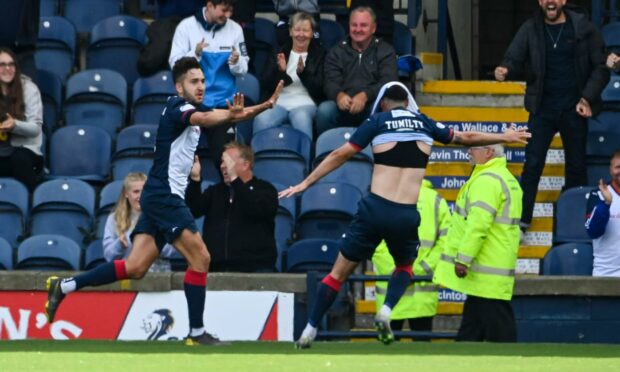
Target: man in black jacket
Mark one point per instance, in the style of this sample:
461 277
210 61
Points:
239 214
355 70
562 56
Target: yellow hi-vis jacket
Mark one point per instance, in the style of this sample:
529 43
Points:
484 234
420 299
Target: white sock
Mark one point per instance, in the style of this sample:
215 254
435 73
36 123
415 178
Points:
309 332
195 332
67 285
385 311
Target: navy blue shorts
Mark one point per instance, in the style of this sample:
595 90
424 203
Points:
164 216
378 218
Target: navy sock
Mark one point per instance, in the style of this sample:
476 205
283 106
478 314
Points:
325 296
397 285
194 285
102 274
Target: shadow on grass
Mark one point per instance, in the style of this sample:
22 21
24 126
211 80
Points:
326 348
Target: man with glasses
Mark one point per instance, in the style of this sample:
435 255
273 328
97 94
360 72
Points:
480 254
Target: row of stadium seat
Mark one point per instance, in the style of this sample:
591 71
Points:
99 98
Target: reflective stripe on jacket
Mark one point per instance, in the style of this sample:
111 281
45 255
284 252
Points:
484 233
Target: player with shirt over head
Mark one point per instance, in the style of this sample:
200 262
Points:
165 217
401 139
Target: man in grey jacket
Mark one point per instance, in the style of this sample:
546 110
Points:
355 70
562 56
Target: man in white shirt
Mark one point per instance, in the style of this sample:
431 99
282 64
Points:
217 42
603 222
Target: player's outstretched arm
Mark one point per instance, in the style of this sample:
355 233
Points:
245 113
511 135
236 111
334 160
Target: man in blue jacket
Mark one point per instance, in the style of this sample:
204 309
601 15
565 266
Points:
562 57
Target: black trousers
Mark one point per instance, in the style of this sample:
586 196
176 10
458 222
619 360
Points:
415 324
24 165
487 319
543 126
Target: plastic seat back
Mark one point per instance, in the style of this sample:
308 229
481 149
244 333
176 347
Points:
63 206
6 255
93 255
311 255
326 210
96 97
80 152
13 210
150 95
118 38
56 45
85 14
48 252
569 216
569 259
331 32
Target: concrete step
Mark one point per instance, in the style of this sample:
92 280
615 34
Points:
470 93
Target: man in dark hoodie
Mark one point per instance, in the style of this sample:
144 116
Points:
562 57
239 213
355 70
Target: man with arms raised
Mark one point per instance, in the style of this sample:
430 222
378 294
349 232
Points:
165 217
401 139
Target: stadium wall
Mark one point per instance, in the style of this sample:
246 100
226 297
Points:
271 307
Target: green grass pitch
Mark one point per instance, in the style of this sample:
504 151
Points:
323 356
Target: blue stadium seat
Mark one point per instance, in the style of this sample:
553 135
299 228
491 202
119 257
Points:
85 14
150 95
611 35
48 8
596 172
265 43
284 227
333 138
63 206
168 8
13 210
326 209
311 255
117 39
570 215
6 255
282 155
56 45
282 142
107 200
80 152
603 137
249 85
356 171
48 252
569 259
611 93
331 32
135 149
96 98
403 40
50 86
93 255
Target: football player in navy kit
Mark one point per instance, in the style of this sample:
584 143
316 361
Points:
401 139
165 217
